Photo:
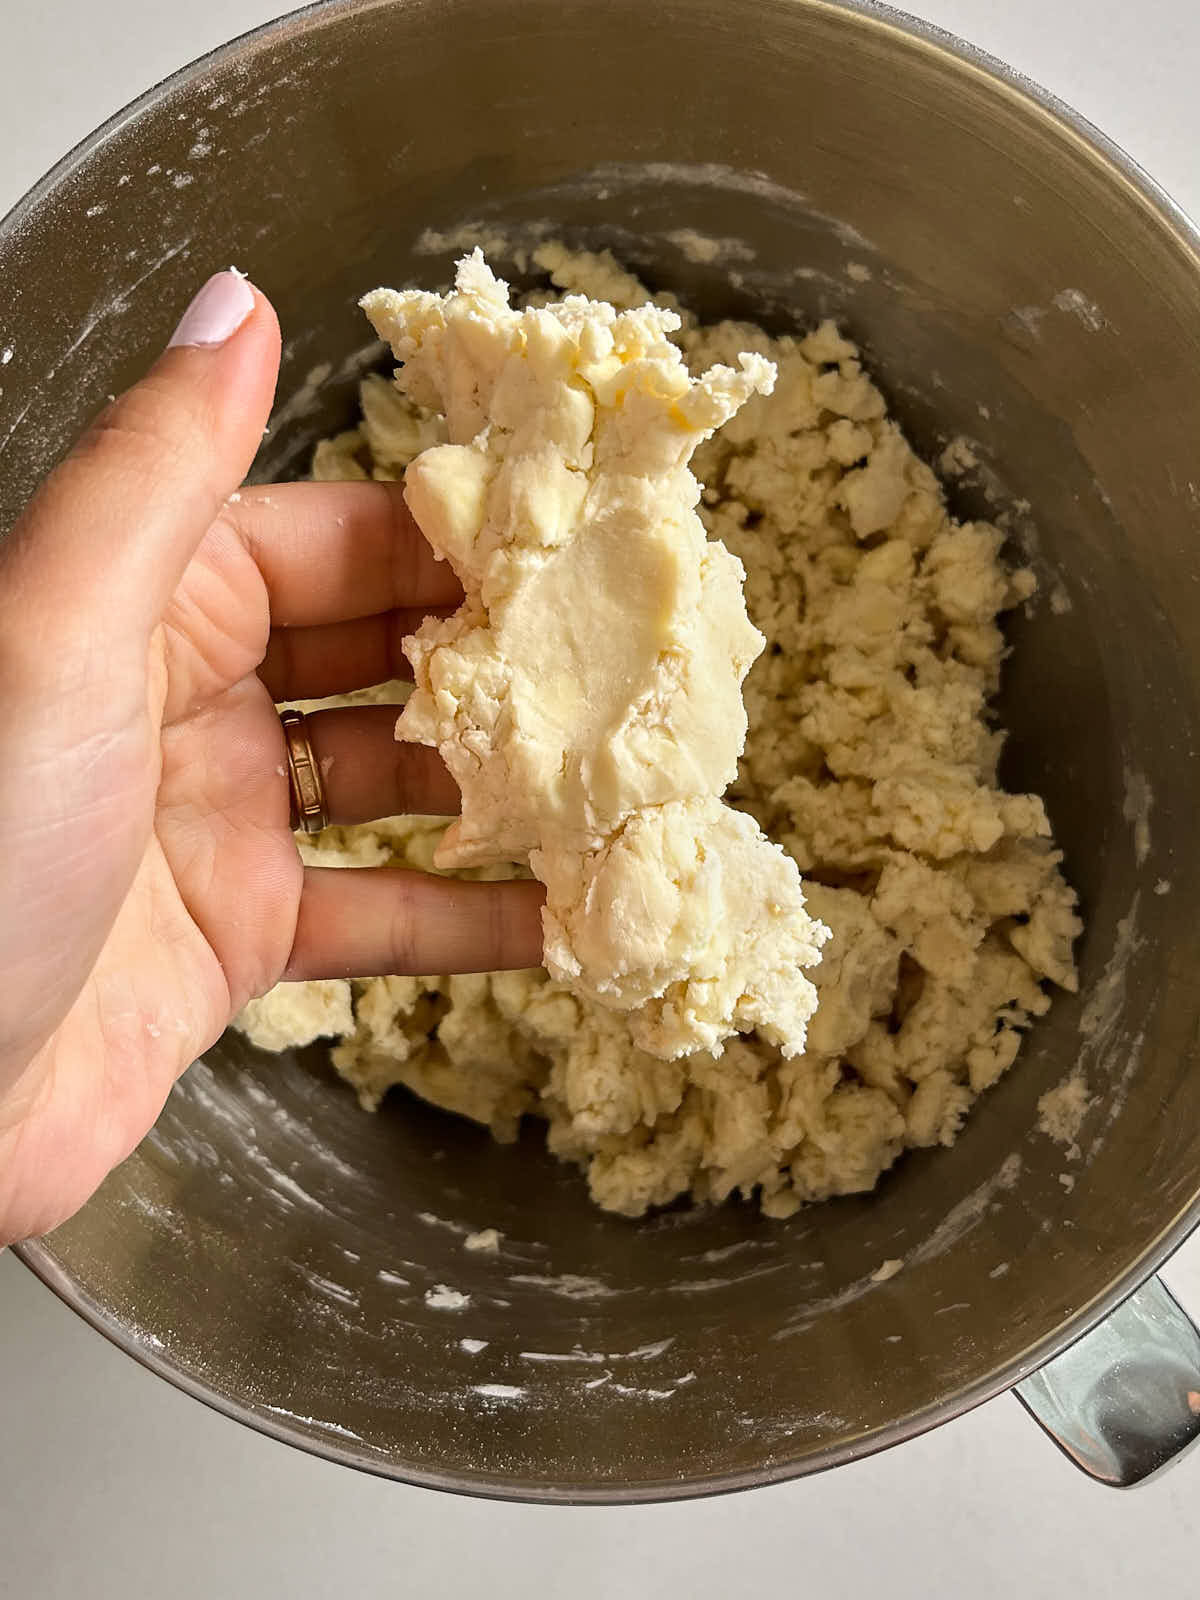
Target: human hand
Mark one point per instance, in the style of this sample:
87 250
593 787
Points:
151 886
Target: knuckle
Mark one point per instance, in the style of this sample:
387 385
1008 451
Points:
153 427
396 662
401 544
498 929
277 668
403 933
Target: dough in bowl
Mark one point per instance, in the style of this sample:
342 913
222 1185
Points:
871 759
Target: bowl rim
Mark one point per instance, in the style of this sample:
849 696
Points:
38 1254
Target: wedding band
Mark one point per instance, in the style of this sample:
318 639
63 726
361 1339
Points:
304 776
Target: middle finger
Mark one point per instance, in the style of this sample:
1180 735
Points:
367 773
335 657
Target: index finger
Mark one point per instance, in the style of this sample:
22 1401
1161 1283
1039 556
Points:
358 922
329 552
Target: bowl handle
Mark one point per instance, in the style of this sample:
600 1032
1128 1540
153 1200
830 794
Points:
1125 1399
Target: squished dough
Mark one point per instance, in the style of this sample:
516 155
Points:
586 695
870 759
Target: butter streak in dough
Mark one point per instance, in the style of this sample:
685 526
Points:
586 695
871 758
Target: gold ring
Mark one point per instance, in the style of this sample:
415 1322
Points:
304 776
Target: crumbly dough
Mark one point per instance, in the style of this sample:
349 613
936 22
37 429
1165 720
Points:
586 695
871 759
1061 1111
295 1014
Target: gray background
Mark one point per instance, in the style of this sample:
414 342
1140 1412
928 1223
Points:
112 1484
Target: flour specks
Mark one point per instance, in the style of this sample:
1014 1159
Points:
443 1298
498 1391
485 1241
1135 808
568 1285
1077 304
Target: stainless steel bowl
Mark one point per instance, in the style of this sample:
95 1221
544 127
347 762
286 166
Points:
269 1248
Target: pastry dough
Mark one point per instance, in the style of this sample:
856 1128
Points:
871 759
586 695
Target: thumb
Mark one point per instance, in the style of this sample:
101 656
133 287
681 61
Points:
121 516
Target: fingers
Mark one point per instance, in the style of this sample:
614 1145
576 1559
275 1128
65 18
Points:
123 513
331 551
384 920
367 773
335 657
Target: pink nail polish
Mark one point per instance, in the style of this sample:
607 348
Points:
217 312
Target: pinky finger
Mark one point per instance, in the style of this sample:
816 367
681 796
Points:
368 922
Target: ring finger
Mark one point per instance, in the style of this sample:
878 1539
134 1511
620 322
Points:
366 773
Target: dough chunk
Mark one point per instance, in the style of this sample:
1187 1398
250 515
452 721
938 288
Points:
586 695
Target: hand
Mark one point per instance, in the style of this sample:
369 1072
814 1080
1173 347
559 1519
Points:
149 619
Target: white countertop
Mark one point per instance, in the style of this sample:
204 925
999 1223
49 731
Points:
112 1484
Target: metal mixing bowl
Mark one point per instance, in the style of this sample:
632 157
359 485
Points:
1014 279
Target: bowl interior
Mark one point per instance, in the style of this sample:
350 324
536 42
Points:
269 1246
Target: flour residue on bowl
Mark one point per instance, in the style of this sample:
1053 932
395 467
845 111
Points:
1101 1015
1076 304
563 1357
724 1252
958 457
493 239
303 401
1107 1048
314 1422
1136 806
1061 1111
642 1394
1028 320
969 1212
704 250
102 319
567 1285
442 1297
332 1290
484 1241
431 1220
498 1391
